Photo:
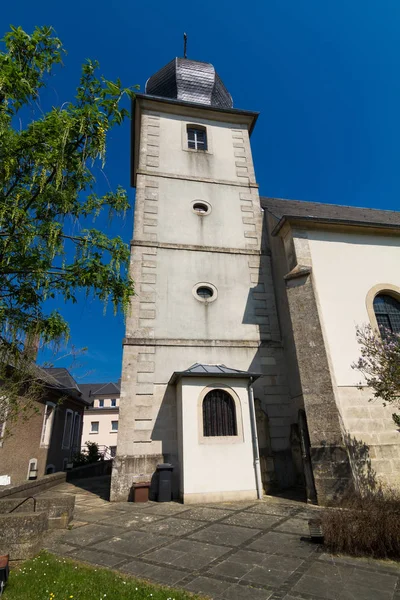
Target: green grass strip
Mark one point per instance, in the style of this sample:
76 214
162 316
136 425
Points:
49 577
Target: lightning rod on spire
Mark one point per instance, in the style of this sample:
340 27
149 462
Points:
184 45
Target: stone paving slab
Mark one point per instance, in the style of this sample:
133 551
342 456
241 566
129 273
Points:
131 543
257 521
90 534
282 543
102 559
228 551
136 520
163 575
225 535
187 554
207 513
297 526
174 526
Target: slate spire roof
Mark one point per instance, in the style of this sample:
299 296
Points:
191 81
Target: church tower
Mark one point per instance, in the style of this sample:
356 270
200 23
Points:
204 300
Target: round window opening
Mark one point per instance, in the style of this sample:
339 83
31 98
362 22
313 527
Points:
201 208
205 292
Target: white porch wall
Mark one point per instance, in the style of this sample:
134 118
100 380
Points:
219 470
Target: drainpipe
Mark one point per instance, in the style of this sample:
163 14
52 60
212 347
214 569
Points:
256 454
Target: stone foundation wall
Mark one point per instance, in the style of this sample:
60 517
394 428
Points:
128 470
373 439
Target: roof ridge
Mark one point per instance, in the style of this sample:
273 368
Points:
328 204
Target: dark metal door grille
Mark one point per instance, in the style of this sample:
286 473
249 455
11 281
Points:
219 414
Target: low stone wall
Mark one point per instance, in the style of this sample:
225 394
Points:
59 510
33 513
21 534
128 470
97 469
32 488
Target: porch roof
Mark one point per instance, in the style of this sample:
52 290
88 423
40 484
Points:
202 370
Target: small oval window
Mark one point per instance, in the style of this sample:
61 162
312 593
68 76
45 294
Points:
201 208
205 292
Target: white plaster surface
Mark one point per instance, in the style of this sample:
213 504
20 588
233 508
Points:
222 466
177 223
345 267
180 315
218 163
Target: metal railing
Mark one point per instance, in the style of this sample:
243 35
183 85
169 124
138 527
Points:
104 450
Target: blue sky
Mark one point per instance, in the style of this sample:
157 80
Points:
325 77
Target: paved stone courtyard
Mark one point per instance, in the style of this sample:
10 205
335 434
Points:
229 551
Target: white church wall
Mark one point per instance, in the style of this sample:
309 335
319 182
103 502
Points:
217 163
177 223
181 315
345 268
215 469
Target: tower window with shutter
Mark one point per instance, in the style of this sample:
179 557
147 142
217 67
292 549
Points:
197 138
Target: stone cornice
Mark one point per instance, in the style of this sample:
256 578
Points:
134 341
217 249
242 184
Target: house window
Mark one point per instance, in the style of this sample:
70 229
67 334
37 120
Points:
76 435
387 312
50 469
113 451
94 427
219 414
32 469
113 402
47 427
101 403
67 429
196 137
114 425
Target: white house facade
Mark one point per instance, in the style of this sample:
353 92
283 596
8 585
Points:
101 417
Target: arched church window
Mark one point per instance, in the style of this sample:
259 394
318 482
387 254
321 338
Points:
387 312
197 137
219 414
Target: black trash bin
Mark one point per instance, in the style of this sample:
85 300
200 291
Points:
164 472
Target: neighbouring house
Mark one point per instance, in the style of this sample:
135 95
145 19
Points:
242 331
100 420
47 440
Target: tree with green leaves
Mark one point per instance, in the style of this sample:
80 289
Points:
47 183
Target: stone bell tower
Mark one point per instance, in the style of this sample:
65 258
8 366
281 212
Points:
203 281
